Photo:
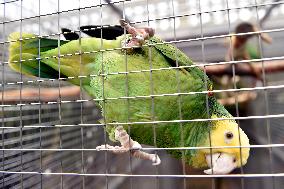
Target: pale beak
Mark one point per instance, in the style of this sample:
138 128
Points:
223 163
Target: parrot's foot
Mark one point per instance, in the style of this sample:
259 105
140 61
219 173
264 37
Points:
127 144
138 35
113 149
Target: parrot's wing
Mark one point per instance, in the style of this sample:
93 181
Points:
178 58
105 32
69 35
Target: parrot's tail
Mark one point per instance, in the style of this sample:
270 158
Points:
24 54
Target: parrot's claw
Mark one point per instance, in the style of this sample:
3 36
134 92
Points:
123 22
138 35
119 149
114 149
136 146
156 160
127 144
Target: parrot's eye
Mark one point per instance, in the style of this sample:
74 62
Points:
229 135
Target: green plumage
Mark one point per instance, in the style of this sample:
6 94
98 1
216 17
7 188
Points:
129 88
253 51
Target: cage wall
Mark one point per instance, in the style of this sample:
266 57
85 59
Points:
50 128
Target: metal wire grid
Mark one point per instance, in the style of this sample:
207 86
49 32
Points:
60 124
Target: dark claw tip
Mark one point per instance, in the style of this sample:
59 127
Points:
123 22
151 32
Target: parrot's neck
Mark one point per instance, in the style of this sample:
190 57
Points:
216 108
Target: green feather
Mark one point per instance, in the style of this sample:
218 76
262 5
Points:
115 87
253 51
165 108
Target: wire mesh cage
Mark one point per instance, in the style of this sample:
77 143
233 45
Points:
50 128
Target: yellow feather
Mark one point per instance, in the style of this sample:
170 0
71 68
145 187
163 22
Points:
218 139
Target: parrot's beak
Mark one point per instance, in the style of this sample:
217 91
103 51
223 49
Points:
223 163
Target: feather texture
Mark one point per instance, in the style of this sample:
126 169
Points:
132 87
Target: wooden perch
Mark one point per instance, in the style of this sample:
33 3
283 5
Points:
241 98
46 94
73 92
244 69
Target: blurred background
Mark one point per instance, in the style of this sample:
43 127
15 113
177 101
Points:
31 107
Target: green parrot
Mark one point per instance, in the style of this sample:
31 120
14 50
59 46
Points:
135 81
239 47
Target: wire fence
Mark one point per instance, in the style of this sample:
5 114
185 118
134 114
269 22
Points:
49 141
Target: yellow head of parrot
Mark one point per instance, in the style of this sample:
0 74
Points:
233 152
